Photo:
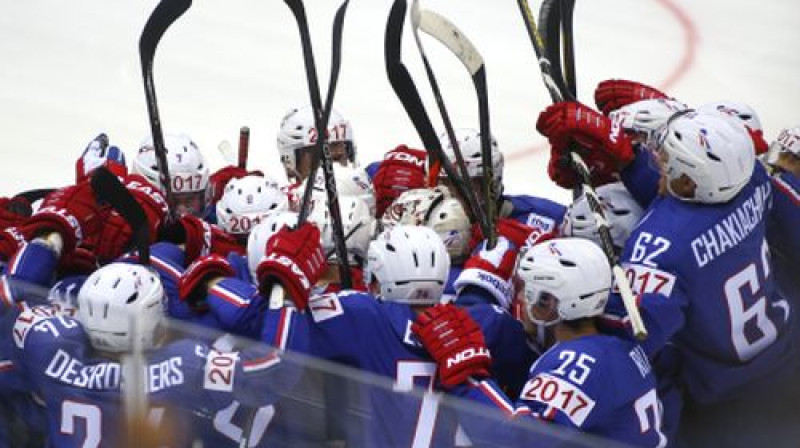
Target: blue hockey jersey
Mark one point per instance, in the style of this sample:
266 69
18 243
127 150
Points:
598 384
707 285
375 336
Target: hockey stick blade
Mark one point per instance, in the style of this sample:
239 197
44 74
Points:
407 93
475 210
457 42
107 187
165 13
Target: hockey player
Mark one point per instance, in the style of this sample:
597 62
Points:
75 364
297 136
596 383
188 172
245 202
712 210
406 270
621 211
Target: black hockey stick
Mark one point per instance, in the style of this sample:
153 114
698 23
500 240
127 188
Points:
606 243
567 12
407 93
162 17
480 216
451 37
321 115
550 15
109 189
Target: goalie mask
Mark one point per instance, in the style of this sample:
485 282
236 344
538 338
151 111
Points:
564 279
120 302
436 209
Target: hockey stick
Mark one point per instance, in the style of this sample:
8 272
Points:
570 81
244 146
108 188
407 93
321 114
472 199
162 17
606 243
451 37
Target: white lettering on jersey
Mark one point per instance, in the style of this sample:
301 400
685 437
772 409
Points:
27 319
165 374
734 228
66 369
559 394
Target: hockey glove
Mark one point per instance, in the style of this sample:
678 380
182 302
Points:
10 240
115 236
98 153
72 212
193 285
222 176
402 169
491 270
293 258
521 235
80 262
615 93
455 341
200 238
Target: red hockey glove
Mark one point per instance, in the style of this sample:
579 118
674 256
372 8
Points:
80 262
13 211
455 341
402 169
521 235
115 237
200 238
491 270
11 239
220 178
193 285
71 211
602 168
615 93
293 258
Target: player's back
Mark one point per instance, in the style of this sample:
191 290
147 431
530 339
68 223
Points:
602 385
713 260
376 336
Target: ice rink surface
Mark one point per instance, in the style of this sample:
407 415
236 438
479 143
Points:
70 69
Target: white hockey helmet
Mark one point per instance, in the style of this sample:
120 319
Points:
469 142
621 211
646 117
298 134
569 276
739 112
262 232
410 263
188 171
350 181
714 152
358 226
788 141
434 208
121 300
246 201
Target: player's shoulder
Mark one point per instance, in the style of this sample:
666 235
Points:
535 211
44 326
349 303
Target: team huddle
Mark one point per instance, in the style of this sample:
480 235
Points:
528 322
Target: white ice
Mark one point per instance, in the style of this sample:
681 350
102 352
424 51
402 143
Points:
70 69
